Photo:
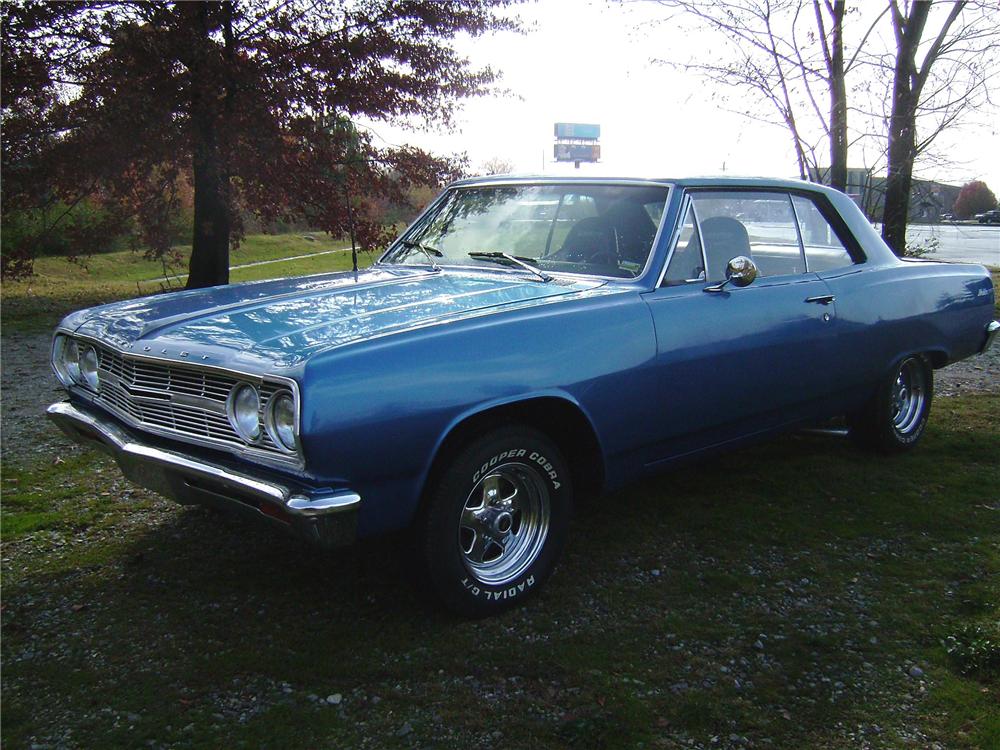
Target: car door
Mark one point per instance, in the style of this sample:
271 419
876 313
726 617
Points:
734 363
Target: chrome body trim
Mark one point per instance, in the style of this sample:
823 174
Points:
331 504
675 235
992 331
840 432
323 516
822 299
279 457
531 179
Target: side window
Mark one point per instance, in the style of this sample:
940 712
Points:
686 262
824 250
760 225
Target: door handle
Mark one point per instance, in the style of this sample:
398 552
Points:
821 299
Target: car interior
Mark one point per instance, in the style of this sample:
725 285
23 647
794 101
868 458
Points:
615 242
761 227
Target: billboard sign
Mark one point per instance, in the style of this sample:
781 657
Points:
587 152
577 131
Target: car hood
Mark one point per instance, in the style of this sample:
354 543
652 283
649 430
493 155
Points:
283 322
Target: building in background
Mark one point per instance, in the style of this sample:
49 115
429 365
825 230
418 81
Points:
929 200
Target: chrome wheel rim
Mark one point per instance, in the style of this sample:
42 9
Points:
504 523
909 391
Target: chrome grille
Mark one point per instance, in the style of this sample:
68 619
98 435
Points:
175 399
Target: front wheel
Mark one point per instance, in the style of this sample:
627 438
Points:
895 419
496 521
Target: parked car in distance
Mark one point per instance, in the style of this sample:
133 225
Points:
989 217
526 342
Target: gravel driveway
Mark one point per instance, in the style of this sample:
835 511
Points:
28 387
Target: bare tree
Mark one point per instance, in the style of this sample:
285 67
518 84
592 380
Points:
833 58
790 59
933 93
497 165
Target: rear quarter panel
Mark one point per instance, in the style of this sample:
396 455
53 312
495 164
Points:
886 312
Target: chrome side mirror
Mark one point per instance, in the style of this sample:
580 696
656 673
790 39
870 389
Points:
740 272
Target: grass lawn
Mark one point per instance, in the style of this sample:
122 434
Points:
798 594
59 286
806 599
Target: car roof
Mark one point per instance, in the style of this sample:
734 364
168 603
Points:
724 181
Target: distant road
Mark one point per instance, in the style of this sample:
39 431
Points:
968 243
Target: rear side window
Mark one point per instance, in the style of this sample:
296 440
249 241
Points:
760 225
824 250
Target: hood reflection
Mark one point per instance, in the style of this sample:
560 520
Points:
288 320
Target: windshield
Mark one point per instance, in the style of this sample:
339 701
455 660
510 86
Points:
604 230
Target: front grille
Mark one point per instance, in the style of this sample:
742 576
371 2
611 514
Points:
175 399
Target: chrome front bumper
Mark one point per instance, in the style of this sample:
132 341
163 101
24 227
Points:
325 517
992 330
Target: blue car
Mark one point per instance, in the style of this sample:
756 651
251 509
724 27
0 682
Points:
526 342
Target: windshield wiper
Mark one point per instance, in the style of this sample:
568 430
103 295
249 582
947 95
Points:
427 250
517 260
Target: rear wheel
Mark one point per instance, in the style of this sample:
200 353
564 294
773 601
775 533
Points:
496 521
895 419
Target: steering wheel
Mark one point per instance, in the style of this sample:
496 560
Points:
591 253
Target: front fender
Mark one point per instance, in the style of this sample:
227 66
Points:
375 415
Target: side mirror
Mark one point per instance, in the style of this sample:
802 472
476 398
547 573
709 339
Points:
740 272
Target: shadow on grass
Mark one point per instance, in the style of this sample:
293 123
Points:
789 605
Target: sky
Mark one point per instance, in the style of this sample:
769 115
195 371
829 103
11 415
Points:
591 62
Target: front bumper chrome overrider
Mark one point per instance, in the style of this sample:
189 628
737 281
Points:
992 330
323 516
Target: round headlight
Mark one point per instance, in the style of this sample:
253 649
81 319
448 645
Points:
66 360
88 367
281 420
244 412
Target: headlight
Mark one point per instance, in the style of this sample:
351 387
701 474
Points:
281 420
88 367
66 360
244 412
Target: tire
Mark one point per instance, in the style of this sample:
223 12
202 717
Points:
895 419
496 521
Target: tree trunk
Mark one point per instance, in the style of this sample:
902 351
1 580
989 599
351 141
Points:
902 152
210 243
210 247
838 103
902 124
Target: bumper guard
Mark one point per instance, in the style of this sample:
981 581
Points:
992 329
325 517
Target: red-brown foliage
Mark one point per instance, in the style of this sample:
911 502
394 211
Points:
974 198
252 102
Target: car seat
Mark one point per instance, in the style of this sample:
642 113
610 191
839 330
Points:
724 239
590 240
